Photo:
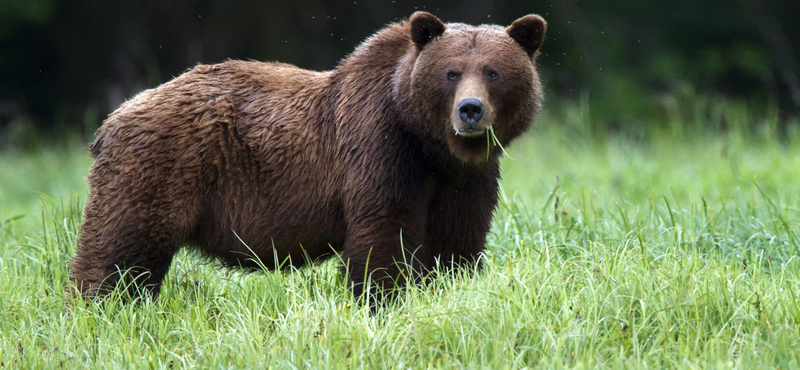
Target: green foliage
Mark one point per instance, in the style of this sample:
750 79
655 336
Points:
671 246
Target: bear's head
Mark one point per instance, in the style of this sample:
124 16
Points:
468 87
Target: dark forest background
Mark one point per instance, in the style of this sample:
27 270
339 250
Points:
67 64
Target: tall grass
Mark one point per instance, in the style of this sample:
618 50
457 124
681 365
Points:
673 246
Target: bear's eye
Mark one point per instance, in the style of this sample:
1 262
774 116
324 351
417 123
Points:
491 75
452 76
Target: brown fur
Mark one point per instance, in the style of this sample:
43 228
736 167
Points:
299 164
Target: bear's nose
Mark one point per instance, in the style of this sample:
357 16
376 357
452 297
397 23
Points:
470 111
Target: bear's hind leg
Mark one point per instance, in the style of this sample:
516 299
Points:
126 253
129 242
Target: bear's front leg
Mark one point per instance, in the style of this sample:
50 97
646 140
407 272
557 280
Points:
460 217
384 243
383 254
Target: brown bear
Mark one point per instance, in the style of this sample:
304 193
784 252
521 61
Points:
388 160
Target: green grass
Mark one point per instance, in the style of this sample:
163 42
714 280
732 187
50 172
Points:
671 247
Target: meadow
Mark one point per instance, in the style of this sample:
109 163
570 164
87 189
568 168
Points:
671 245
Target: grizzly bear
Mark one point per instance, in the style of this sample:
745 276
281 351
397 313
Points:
391 160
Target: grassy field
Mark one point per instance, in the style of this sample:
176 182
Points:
670 247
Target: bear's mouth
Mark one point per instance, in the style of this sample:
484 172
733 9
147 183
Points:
470 132
470 145
474 140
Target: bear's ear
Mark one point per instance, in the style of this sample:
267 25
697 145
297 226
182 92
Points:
424 28
528 31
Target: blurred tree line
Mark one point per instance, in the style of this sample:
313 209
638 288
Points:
69 63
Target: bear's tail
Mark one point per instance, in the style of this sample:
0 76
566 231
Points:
96 146
99 140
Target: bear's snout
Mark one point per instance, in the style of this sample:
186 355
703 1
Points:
470 111
474 118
